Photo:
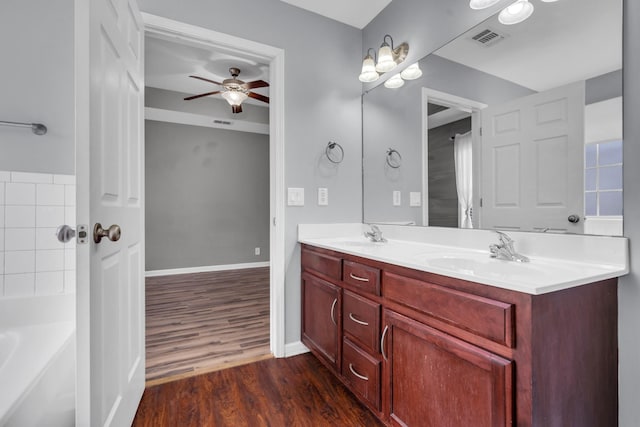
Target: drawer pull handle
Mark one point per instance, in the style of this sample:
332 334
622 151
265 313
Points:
333 309
353 371
384 334
359 322
358 278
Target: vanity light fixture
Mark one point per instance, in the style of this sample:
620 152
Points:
388 58
516 13
394 82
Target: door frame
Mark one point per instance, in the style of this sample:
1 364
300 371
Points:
464 104
165 27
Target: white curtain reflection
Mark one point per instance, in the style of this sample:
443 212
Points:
462 149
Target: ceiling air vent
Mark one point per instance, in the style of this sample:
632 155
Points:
487 37
222 122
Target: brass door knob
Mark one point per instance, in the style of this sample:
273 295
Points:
112 233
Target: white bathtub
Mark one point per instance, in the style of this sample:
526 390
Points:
37 363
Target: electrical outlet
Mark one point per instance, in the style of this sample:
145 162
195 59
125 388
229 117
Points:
415 198
397 198
257 251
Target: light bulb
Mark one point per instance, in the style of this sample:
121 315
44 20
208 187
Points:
369 73
234 97
482 4
385 59
516 13
394 82
412 72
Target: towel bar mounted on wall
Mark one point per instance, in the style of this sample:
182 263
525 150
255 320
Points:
37 128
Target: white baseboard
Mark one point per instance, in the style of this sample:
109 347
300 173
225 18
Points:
294 349
204 269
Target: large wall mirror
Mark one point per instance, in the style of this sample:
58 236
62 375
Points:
511 127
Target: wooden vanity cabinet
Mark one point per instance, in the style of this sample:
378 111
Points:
421 349
434 379
321 320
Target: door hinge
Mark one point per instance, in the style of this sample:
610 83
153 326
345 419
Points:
480 131
480 201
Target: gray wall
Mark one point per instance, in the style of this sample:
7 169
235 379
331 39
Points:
629 287
207 196
322 103
36 85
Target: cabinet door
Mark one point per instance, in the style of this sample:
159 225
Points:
432 379
321 320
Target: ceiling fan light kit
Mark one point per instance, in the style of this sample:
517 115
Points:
515 13
235 90
388 58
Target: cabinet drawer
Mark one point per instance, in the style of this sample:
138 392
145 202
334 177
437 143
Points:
323 264
364 277
362 373
482 316
361 320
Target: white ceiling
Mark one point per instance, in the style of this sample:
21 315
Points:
357 13
169 63
562 42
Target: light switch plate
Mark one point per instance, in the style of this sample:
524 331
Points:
415 198
295 196
397 198
323 196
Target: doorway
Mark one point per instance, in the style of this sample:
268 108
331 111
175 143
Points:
446 117
270 61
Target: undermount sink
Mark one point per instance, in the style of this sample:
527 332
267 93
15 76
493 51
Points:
362 243
480 264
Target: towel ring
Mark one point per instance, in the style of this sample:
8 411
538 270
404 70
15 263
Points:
394 159
334 152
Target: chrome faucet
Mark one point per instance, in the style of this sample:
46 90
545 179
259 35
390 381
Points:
375 235
505 249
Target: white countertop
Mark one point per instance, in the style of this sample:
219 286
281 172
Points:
431 251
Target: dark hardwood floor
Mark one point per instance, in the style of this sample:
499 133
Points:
205 321
297 391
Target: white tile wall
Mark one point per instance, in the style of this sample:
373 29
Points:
32 261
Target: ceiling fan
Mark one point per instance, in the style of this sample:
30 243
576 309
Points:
235 90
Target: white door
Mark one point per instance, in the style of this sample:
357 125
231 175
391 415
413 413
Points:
533 162
111 293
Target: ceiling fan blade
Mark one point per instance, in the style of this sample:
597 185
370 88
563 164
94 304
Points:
189 98
258 97
206 80
256 84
